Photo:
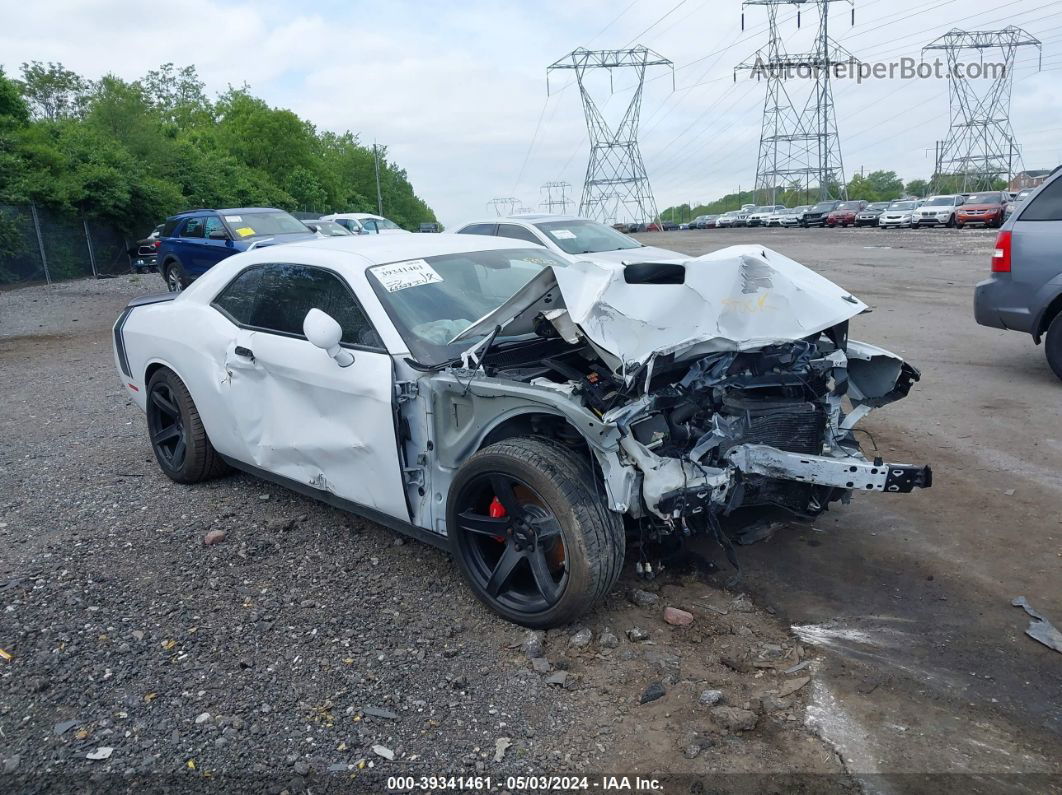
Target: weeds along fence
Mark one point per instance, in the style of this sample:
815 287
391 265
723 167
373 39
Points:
38 245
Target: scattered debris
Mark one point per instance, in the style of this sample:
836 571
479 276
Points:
63 727
1040 629
377 712
214 537
501 745
736 662
652 693
711 697
541 665
637 596
637 635
202 717
800 666
534 644
734 719
101 753
558 678
384 751
790 686
676 617
5 656
742 604
581 639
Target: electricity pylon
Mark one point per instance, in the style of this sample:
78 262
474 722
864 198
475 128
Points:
616 187
556 196
980 146
799 144
504 205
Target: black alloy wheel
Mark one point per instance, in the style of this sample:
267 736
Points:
169 438
513 543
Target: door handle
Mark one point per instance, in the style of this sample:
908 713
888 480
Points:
246 353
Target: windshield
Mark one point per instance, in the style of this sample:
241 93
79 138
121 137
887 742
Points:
940 201
586 237
984 198
1022 195
903 205
877 205
434 299
330 228
848 206
823 207
383 223
274 222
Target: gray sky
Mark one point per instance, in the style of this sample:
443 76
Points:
458 90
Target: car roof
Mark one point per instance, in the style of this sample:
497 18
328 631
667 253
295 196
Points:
366 252
356 216
525 218
230 210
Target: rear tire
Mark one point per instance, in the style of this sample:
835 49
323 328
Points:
176 432
1053 345
556 548
175 277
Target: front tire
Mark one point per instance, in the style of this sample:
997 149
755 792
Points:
1053 345
177 435
531 532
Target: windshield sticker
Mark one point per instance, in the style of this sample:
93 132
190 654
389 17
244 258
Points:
245 231
233 219
563 234
403 275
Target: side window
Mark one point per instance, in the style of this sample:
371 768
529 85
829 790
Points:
214 225
288 292
518 232
477 229
1047 206
370 225
193 227
237 300
169 228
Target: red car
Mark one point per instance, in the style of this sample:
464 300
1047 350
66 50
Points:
845 214
988 209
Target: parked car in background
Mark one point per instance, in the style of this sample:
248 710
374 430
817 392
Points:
869 215
429 228
726 219
758 215
741 217
1024 291
844 214
816 214
142 254
1015 202
195 241
490 397
366 223
898 214
327 228
787 217
938 211
986 209
571 237
707 221
669 226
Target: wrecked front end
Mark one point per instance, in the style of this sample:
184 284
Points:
724 388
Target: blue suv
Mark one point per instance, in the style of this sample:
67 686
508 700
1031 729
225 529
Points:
195 241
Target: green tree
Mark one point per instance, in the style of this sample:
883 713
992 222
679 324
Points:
917 187
53 91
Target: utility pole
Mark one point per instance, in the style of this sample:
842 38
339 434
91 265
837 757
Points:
504 205
980 146
376 166
798 140
552 202
616 187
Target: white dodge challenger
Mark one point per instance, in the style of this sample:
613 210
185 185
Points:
532 415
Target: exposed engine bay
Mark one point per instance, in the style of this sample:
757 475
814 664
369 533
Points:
749 402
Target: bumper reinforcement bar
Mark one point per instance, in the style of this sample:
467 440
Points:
853 473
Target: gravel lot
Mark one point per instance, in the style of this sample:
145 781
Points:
309 646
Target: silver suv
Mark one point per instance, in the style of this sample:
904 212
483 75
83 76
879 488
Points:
1024 292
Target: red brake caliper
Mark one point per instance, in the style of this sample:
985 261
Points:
497 511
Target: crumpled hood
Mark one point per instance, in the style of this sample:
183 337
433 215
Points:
737 298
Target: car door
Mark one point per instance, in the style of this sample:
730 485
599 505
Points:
295 412
190 246
217 244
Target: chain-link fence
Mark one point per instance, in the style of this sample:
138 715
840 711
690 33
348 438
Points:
38 245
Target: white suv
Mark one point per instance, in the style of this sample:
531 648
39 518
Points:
938 210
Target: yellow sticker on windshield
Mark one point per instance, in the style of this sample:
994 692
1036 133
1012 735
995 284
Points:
245 231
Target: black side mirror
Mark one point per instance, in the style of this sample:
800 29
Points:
218 234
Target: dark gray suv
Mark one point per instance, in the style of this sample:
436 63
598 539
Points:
1025 290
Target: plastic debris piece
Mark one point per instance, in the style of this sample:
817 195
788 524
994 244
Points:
1040 629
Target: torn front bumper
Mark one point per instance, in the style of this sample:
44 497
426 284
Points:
852 472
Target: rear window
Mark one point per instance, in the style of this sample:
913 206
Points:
1047 206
